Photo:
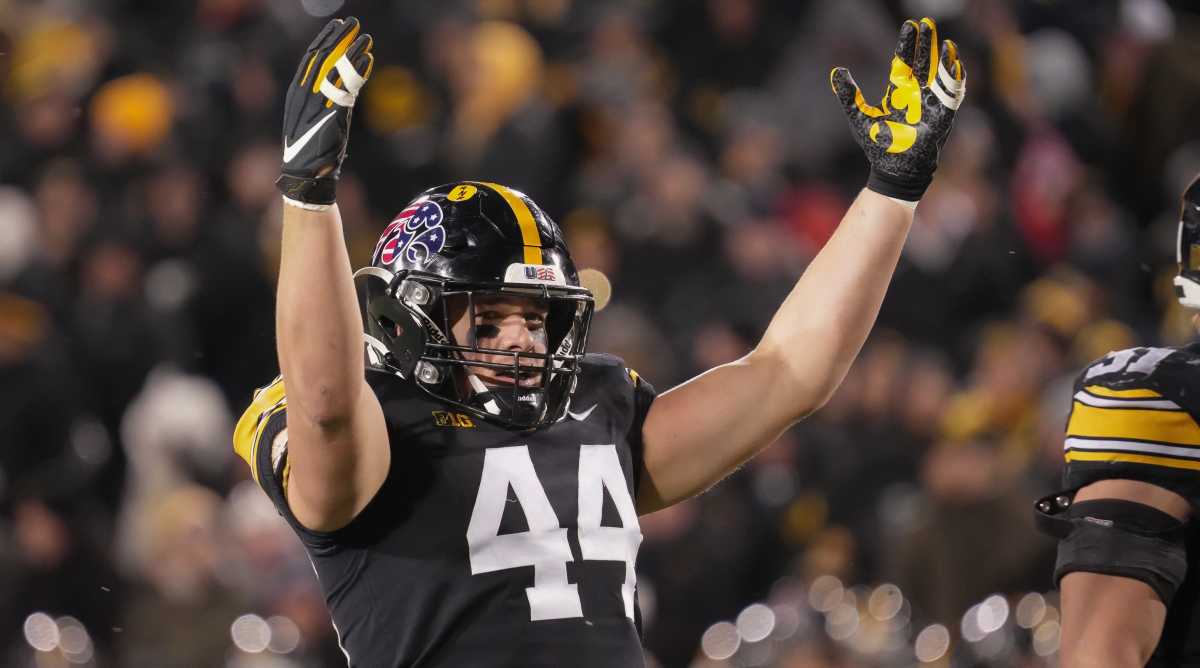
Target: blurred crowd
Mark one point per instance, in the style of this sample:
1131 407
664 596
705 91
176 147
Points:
693 153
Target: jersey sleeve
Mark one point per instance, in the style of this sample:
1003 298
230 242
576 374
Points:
260 439
1127 422
643 396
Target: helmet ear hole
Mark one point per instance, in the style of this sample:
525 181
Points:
401 331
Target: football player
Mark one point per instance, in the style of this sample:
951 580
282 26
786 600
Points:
469 488
1132 481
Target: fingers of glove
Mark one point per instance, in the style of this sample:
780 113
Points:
951 65
305 67
950 84
364 64
341 38
319 41
310 55
336 95
905 95
350 74
926 64
353 68
905 56
362 45
850 95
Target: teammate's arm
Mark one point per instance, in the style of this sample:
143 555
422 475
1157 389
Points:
1111 621
337 440
697 433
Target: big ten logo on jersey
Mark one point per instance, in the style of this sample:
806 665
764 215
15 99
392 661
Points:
446 419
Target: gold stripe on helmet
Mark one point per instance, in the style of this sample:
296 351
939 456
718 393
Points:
529 230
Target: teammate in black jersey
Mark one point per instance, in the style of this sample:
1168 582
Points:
1128 550
469 488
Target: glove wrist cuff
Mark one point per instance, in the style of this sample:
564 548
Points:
305 205
319 191
909 189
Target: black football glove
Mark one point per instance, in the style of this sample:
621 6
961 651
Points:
903 135
316 115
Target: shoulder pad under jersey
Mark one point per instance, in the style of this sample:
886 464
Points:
1133 416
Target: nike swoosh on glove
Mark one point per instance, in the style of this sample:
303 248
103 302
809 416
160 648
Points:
316 115
904 134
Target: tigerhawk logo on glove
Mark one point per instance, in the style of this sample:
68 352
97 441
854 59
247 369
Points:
903 135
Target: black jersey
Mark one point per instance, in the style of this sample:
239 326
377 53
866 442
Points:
484 546
1136 415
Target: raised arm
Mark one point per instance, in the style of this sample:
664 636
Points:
337 440
699 432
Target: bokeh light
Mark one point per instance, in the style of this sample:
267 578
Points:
250 633
842 621
1046 638
1031 609
825 592
285 635
41 632
720 641
932 643
885 602
993 613
756 622
787 622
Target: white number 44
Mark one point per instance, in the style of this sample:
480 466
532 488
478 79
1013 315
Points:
545 545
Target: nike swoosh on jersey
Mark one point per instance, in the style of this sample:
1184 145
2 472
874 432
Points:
582 415
290 152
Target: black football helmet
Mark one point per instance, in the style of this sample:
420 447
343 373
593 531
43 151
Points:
1187 283
470 240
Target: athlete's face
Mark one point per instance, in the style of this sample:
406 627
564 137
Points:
511 324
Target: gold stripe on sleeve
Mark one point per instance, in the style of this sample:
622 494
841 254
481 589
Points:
246 434
1139 393
1135 424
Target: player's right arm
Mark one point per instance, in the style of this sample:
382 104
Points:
337 445
1114 621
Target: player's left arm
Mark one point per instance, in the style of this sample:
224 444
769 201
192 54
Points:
699 432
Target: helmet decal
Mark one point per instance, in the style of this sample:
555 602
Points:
462 192
416 232
534 274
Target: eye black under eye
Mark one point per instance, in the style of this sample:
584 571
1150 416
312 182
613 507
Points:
486 331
